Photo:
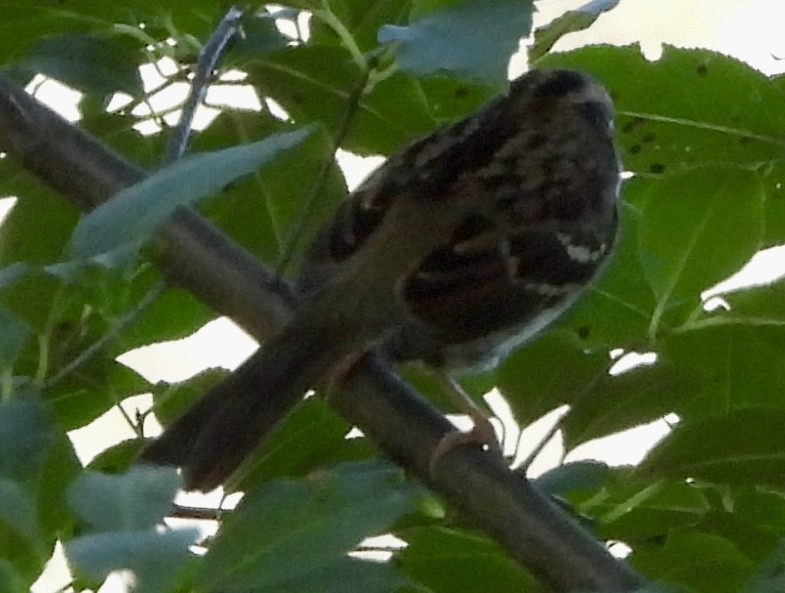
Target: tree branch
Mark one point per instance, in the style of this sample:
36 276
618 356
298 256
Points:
227 28
197 256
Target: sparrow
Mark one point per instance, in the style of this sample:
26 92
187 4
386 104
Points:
464 244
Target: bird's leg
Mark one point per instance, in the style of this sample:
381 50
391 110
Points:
482 434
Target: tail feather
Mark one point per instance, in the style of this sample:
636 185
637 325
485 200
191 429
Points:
215 435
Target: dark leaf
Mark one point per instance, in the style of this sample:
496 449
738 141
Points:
569 477
743 447
623 401
315 84
739 365
534 381
698 227
26 433
569 22
702 562
452 561
638 512
13 338
314 520
89 63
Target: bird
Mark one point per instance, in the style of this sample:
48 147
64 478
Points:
462 245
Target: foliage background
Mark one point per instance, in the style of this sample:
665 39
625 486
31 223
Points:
700 132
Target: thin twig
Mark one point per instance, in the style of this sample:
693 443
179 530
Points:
124 322
524 465
208 58
198 513
294 234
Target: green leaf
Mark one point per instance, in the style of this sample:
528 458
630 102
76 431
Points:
743 447
348 575
87 62
18 514
450 98
616 311
690 108
773 177
755 541
569 22
30 298
769 577
637 512
173 399
533 381
135 212
289 200
136 500
155 558
457 561
577 475
242 212
758 305
20 539
11 579
16 511
704 563
473 38
311 437
59 468
698 227
395 113
24 21
260 35
117 458
174 315
285 529
31 510
26 433
738 365
37 208
39 457
761 507
317 83
361 18
100 383
13 338
626 400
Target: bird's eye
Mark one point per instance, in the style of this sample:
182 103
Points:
597 113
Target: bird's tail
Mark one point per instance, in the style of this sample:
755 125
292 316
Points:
223 428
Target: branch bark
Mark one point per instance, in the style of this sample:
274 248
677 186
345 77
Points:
196 255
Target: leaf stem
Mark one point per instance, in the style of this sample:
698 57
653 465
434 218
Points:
352 104
123 323
347 39
632 502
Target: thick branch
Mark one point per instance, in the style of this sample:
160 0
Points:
197 256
